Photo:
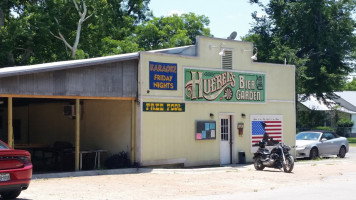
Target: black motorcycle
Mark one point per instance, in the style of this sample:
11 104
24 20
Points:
278 157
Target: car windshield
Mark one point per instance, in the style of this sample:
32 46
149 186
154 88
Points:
3 145
308 136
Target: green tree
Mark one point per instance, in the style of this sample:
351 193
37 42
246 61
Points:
101 21
171 31
40 31
350 86
317 36
310 119
83 16
14 31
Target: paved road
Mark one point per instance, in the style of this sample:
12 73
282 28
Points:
332 188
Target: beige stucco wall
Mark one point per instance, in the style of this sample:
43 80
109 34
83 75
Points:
166 137
105 124
47 124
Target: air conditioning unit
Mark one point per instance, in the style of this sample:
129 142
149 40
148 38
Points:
69 110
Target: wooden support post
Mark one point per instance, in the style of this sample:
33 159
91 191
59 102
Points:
77 133
132 153
10 131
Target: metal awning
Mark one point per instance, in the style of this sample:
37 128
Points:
30 69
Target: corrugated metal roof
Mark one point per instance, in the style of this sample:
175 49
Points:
29 69
349 96
314 104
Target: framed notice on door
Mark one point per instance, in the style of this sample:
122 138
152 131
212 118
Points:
205 130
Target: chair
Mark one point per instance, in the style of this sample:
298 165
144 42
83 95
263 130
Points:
64 158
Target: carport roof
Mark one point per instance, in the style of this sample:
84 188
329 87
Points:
29 69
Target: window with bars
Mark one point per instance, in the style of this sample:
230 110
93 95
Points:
226 59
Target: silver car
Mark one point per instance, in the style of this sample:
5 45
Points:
312 144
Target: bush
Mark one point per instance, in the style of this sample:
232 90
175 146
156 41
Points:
345 123
351 140
120 160
325 128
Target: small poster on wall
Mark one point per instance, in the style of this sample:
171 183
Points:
268 128
205 130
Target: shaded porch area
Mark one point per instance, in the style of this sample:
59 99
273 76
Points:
60 141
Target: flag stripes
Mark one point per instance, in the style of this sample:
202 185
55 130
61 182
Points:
272 128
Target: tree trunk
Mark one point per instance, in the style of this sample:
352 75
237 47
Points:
26 56
79 28
2 18
10 58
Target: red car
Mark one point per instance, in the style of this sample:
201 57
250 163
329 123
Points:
15 171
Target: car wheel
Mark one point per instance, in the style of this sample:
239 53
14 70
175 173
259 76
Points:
10 194
258 164
314 153
342 152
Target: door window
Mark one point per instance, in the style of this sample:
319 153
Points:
225 129
328 136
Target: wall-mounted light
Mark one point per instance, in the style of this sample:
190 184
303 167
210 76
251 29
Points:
243 115
222 52
254 57
211 115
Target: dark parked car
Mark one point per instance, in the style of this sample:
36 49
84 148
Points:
15 171
312 144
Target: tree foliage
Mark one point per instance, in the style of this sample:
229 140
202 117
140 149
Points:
350 86
317 36
39 31
171 31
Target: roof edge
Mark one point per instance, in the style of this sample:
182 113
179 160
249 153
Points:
45 67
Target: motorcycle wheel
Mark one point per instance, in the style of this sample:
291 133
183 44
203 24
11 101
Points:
258 164
288 167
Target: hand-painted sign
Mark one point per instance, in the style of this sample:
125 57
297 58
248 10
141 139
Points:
163 76
205 130
163 107
267 128
208 85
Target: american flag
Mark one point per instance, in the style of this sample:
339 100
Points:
272 128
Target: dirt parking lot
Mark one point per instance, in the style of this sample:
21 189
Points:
187 183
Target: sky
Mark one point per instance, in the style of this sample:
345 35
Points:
225 16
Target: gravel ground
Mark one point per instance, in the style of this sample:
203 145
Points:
186 183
